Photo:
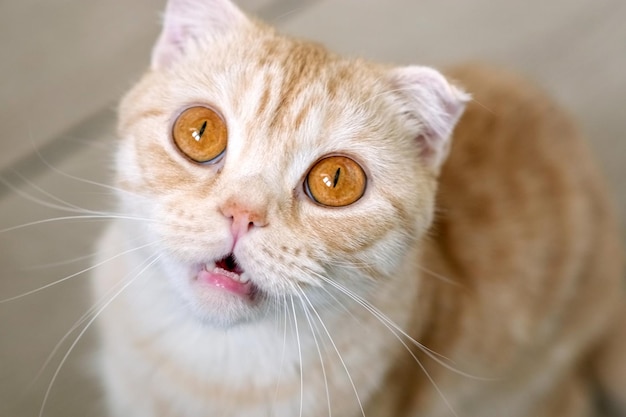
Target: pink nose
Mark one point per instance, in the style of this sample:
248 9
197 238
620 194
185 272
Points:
243 218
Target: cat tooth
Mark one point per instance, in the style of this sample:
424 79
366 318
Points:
231 275
235 277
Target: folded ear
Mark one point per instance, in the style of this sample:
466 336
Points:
432 106
188 21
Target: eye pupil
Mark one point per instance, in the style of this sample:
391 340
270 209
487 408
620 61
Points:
198 135
336 180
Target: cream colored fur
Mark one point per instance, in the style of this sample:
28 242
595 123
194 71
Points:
347 295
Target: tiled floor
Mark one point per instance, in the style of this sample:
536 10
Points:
575 49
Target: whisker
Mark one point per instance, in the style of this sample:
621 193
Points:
68 261
353 264
59 263
281 17
65 205
437 357
295 322
340 304
84 330
98 217
83 180
484 106
84 318
307 314
36 290
282 356
440 277
381 318
343 363
68 207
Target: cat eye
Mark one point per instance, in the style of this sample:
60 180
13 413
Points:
335 181
200 134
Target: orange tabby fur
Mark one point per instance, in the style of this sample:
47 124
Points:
518 282
526 232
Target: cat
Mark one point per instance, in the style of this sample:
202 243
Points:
313 235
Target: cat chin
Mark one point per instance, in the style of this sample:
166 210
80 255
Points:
210 304
216 308
224 315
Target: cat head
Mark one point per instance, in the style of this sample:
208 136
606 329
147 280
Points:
270 167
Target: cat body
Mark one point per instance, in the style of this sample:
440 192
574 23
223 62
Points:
485 285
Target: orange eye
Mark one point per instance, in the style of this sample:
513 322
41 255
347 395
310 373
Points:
335 181
200 133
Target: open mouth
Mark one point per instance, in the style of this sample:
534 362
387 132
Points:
228 275
229 264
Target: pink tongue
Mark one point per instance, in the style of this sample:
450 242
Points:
224 282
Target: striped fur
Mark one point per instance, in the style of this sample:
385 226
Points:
504 260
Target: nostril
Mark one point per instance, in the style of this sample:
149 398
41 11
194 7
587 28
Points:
243 218
242 223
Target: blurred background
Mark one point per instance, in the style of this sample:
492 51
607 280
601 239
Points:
64 65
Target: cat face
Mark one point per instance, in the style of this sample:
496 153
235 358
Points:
270 168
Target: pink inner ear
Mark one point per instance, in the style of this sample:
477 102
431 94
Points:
170 45
434 105
187 21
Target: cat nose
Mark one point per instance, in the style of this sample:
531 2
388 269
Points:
243 217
